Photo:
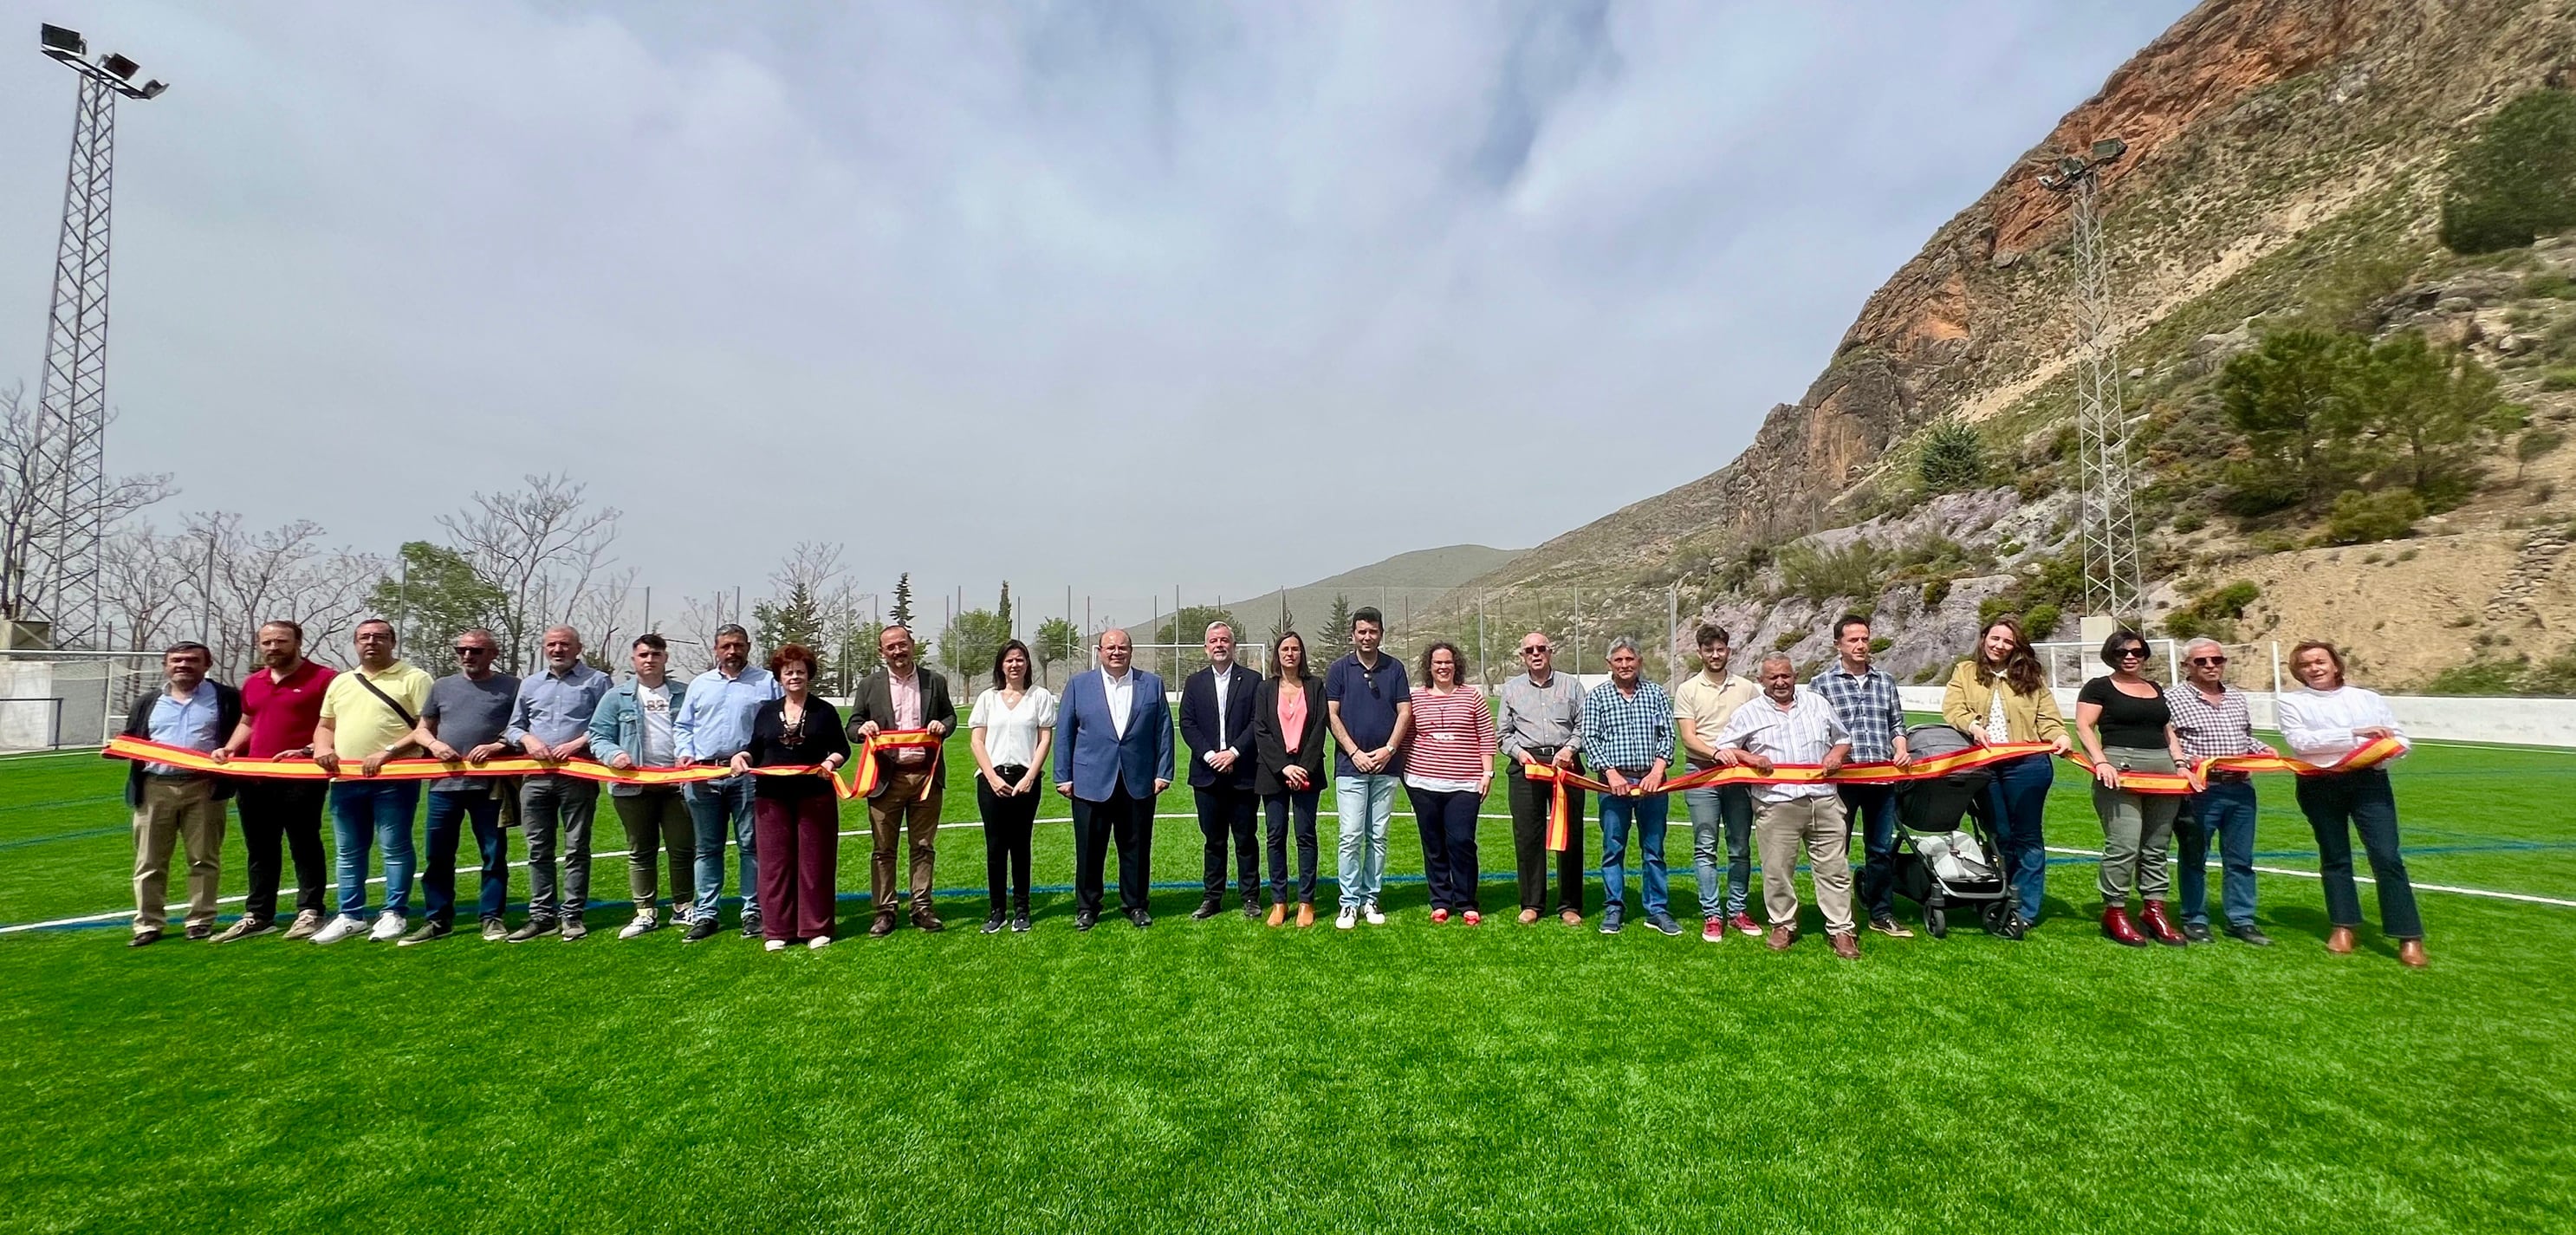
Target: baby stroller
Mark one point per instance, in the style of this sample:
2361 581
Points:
1940 864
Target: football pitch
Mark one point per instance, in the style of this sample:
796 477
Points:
1222 1075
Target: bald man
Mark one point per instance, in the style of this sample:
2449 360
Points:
1113 754
550 720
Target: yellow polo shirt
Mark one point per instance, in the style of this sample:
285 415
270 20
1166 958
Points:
360 723
1707 706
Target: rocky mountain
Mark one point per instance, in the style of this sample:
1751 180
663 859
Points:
2286 166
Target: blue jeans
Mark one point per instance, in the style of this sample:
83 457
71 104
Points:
370 811
2338 806
2017 802
1872 809
1722 812
1618 812
1363 806
2224 810
716 808
438 881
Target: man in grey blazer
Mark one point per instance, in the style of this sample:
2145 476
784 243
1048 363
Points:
910 779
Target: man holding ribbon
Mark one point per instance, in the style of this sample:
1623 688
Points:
551 721
1541 722
1797 728
2212 719
175 806
1718 813
281 703
911 780
463 721
713 724
368 715
1864 697
1628 732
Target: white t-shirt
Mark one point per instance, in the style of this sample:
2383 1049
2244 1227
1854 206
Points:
653 704
1011 734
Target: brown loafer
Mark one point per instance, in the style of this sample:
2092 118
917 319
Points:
2410 953
1845 946
1278 913
1528 916
928 921
1305 916
882 927
1782 937
1572 918
2339 941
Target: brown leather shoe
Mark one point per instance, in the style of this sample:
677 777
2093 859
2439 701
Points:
1305 916
1278 912
929 922
2410 953
1845 946
1528 916
2117 928
1782 937
882 927
1572 917
2159 927
2339 941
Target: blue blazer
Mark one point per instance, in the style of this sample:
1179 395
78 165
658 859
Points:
1088 750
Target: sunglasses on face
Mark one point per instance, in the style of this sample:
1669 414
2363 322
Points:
473 651
2126 653
1532 651
2209 660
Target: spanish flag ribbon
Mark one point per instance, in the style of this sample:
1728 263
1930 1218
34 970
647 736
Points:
143 751
866 774
2191 780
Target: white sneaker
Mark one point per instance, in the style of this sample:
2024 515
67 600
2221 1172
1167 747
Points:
388 926
1370 912
644 921
774 945
339 928
1347 919
819 942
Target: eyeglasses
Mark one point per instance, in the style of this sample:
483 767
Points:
2209 660
1532 651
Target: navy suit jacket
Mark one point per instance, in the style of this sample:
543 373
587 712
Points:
1198 726
1090 753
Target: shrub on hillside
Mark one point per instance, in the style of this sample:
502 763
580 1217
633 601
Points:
2360 518
2213 613
2515 180
1953 458
1826 574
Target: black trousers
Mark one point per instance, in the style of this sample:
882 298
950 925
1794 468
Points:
1007 823
1129 820
290 811
1529 844
1447 821
1278 809
1227 813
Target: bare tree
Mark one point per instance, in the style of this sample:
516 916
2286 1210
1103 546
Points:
32 475
152 585
601 615
543 546
693 638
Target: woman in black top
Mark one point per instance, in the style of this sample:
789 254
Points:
2126 727
795 820
1288 769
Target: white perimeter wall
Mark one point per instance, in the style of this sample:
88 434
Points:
2520 722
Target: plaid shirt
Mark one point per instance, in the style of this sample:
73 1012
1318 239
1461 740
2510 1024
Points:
2208 732
1869 708
1628 732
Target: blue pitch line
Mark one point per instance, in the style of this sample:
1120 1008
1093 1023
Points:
1687 876
84 834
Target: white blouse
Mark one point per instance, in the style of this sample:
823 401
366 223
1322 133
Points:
1011 733
2318 723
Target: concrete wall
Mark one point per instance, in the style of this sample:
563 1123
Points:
2519 722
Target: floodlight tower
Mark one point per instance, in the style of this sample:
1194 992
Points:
71 399
2105 527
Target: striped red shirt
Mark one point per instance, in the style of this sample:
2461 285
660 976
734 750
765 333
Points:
1453 736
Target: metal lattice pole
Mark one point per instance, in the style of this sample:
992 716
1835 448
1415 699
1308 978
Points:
71 395
2106 529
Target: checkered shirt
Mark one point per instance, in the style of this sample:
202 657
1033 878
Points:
1627 731
1869 708
2208 732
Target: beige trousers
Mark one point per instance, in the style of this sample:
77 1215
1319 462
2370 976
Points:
176 810
1780 830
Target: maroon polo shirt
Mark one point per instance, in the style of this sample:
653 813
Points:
282 714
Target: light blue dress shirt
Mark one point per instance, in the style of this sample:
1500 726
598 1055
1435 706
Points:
715 712
557 707
190 724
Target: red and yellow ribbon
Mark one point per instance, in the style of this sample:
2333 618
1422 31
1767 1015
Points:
143 751
2193 780
866 774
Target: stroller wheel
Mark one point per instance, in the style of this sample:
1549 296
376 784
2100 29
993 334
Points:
1936 922
1998 919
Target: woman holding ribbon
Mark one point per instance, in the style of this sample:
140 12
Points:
2328 722
795 820
2127 728
1288 732
1448 766
1996 696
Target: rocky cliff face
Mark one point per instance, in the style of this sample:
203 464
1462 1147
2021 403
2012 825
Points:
2266 138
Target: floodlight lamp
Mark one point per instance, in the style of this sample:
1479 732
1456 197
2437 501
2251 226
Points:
67 42
2109 150
2070 167
118 66
152 90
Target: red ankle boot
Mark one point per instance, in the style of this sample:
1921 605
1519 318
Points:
2161 927
2117 928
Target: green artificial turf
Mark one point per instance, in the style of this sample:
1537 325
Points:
1225 1076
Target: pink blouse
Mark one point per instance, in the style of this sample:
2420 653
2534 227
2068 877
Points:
1292 714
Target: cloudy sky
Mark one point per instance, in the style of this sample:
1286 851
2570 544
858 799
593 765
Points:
1115 294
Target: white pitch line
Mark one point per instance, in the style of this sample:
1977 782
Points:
2524 897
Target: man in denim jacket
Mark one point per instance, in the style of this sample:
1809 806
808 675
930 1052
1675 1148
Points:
633 728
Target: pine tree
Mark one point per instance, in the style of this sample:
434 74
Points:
1336 636
902 615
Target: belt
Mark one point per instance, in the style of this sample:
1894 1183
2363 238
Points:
2223 777
1541 754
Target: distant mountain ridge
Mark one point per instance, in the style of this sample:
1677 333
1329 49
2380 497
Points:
1422 576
